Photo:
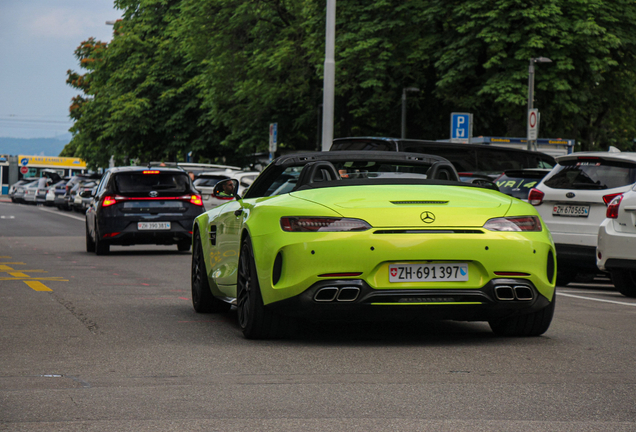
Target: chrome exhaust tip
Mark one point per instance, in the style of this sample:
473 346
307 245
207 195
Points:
326 294
348 294
504 293
523 293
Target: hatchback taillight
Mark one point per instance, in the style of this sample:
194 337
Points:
196 200
535 197
108 201
612 208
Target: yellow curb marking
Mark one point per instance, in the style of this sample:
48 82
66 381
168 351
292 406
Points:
37 286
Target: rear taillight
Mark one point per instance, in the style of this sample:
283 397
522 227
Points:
322 224
612 208
535 197
108 201
608 198
196 200
514 223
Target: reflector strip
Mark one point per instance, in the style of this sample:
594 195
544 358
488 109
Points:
511 274
340 274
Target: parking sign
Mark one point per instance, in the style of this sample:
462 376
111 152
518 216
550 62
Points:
461 127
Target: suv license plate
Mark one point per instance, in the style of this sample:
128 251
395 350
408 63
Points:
153 226
452 272
571 210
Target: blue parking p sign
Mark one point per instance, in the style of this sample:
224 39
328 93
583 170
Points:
461 127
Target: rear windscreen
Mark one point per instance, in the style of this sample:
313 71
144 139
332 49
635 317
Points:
209 181
166 182
592 174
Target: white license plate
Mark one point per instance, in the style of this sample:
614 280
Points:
571 210
451 272
153 226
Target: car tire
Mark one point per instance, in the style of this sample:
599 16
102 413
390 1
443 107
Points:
101 247
183 245
203 301
90 243
625 282
255 319
532 324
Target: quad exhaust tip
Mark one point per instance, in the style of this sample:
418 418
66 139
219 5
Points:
338 294
515 292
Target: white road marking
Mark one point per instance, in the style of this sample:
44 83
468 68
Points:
595 299
58 212
7 217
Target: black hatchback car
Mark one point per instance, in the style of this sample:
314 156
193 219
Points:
136 205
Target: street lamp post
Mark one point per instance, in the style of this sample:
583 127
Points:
404 90
531 88
328 87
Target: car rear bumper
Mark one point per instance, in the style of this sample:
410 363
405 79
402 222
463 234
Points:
354 300
124 234
617 249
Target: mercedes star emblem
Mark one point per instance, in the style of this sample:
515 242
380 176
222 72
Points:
427 217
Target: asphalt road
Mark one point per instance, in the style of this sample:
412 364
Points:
112 344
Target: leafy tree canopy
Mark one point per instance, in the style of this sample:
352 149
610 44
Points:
208 76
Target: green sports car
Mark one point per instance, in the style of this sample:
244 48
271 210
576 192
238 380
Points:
367 235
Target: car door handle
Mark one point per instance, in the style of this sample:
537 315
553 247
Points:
238 212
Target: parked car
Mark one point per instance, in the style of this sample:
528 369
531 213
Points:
83 195
35 192
572 200
518 182
69 196
360 235
19 186
137 205
615 252
206 181
467 158
54 191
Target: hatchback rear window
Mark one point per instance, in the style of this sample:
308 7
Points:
135 182
592 174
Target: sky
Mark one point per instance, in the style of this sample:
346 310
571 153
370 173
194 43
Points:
37 42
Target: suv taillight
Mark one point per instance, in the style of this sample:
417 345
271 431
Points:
196 200
535 197
607 199
612 208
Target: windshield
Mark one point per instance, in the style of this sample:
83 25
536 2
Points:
209 181
592 174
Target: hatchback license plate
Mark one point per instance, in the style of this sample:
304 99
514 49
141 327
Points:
571 210
153 226
452 272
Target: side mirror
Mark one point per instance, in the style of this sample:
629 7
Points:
226 189
487 184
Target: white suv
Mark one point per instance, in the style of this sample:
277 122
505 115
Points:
616 239
572 200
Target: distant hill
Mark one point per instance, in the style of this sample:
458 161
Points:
34 146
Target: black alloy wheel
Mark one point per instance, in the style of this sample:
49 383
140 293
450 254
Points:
255 319
203 301
90 243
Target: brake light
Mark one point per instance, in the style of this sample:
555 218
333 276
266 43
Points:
608 198
514 223
150 172
108 201
322 224
535 197
612 208
196 200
